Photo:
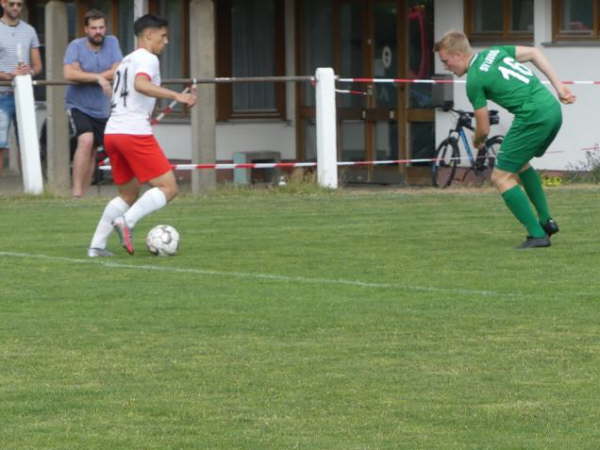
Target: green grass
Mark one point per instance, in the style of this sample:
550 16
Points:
302 319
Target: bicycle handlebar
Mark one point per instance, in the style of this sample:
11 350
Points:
466 116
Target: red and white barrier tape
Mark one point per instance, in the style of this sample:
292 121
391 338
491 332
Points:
226 166
167 110
432 81
229 166
594 148
397 80
351 91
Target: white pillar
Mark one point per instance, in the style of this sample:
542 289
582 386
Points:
542 22
28 136
140 7
326 129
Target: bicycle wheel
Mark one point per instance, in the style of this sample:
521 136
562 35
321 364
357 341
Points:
444 166
485 160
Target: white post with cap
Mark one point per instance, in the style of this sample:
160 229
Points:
29 144
327 174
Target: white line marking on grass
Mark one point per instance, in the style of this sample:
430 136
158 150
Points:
265 276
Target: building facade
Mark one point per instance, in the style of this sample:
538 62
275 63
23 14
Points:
358 38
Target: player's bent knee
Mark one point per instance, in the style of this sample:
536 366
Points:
524 168
166 183
495 177
503 180
170 191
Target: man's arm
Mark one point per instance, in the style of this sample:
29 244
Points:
145 86
539 60
36 61
110 73
482 126
6 76
73 72
25 69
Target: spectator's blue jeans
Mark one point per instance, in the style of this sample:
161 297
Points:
7 115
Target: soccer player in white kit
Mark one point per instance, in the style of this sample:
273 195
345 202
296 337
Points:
135 155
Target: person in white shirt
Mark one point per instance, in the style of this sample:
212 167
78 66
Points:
19 55
135 155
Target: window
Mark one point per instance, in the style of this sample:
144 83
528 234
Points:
316 36
108 7
250 40
492 20
36 17
174 60
576 19
124 29
119 19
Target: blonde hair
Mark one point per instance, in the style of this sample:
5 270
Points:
454 42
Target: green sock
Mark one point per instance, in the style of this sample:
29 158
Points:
517 202
532 184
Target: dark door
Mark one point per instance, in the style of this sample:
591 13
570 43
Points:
370 39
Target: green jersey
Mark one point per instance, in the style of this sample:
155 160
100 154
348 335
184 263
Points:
496 75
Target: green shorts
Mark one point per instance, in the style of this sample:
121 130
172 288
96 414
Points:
530 135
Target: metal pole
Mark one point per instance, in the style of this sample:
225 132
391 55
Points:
199 80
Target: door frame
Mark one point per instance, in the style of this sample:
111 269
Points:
373 114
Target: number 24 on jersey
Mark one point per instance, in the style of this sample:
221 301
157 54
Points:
120 83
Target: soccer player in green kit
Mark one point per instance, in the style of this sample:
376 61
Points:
498 74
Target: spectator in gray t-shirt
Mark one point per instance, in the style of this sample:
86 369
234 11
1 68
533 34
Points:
19 55
91 62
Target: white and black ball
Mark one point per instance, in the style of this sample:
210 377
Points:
163 240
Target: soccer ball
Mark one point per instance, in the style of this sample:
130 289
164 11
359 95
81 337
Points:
162 240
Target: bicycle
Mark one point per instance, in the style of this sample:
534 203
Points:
448 156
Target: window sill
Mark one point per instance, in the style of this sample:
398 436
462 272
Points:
477 43
573 43
254 120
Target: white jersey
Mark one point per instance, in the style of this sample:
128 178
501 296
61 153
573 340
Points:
130 109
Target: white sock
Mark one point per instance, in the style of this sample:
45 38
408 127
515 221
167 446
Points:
115 208
152 200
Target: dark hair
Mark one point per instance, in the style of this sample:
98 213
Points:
93 14
148 21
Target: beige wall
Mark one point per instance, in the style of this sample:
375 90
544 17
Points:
572 62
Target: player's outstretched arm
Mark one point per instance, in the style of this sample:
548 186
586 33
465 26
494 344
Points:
539 60
145 86
482 126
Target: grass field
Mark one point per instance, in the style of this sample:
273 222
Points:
351 320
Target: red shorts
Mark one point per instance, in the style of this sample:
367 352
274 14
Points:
135 156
